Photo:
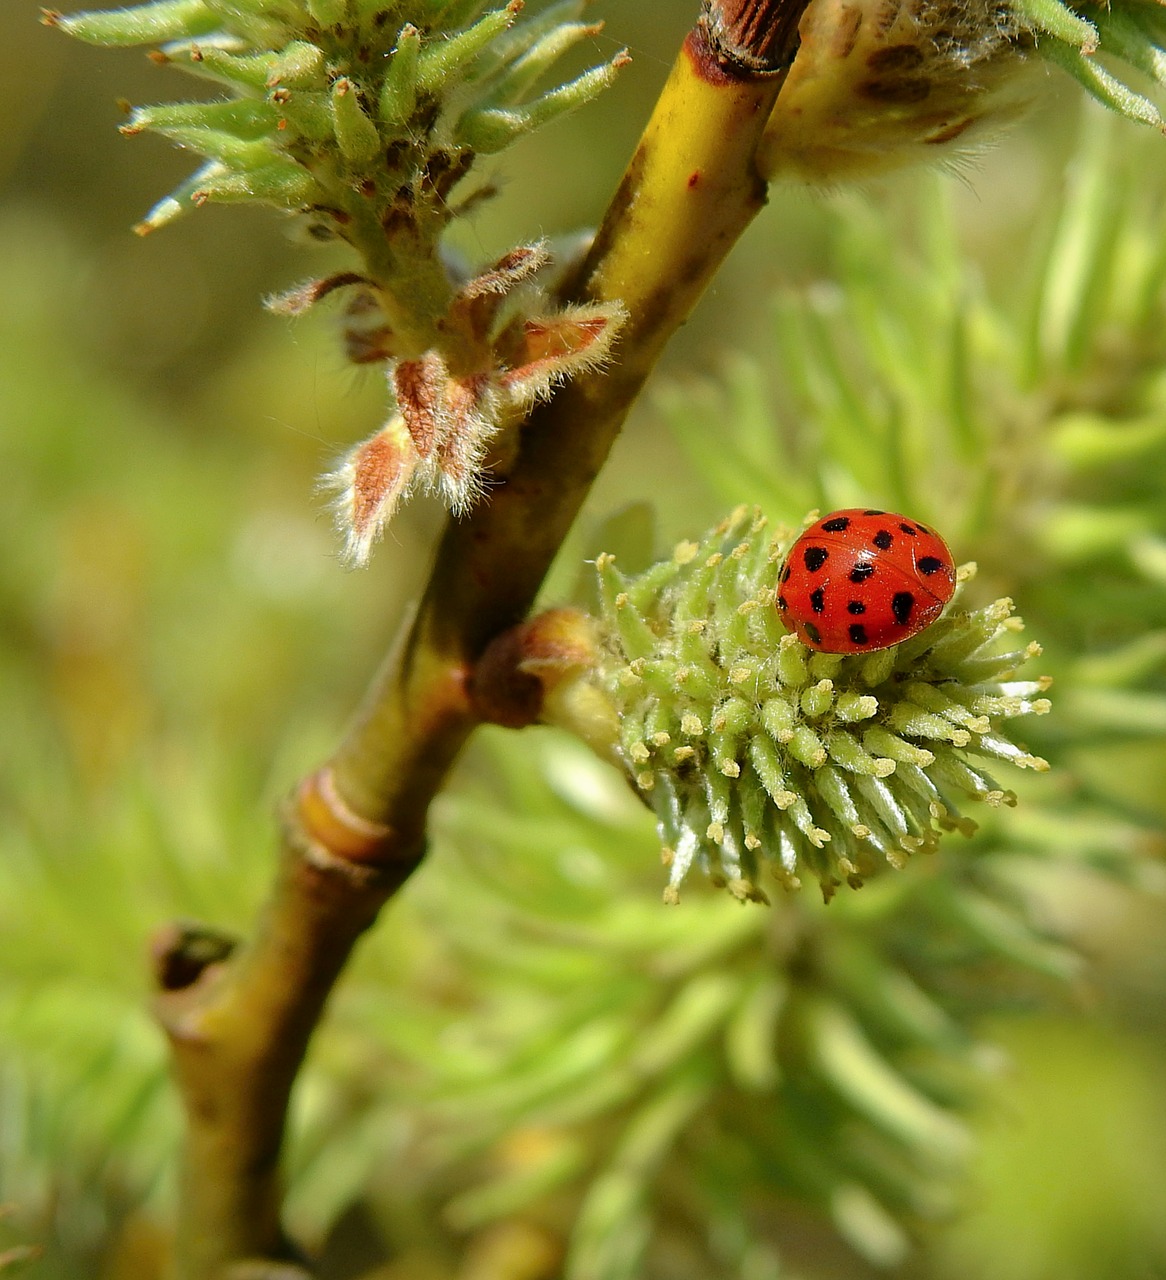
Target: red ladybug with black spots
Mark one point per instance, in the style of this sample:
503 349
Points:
863 579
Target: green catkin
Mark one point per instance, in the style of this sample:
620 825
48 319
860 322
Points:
880 742
763 757
389 100
644 591
805 746
182 198
817 700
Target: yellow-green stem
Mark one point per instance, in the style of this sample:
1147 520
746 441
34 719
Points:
239 1031
689 192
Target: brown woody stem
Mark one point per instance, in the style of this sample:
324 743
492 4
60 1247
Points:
355 831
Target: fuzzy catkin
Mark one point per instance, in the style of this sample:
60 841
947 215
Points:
758 754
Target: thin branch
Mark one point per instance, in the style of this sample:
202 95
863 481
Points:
689 192
355 830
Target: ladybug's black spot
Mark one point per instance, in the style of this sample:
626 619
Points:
910 530
815 558
856 606
836 525
902 602
818 600
883 539
785 573
929 565
781 604
861 572
858 633
813 632
873 512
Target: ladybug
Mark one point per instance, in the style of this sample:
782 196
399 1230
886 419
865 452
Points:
863 579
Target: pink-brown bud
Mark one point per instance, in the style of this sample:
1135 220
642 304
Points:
369 484
552 348
521 669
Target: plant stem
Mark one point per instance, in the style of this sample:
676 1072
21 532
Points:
689 192
239 1030
238 1035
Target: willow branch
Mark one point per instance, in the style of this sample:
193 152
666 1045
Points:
239 1023
690 191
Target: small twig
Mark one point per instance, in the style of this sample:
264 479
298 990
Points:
355 831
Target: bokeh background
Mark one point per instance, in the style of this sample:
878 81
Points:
178 642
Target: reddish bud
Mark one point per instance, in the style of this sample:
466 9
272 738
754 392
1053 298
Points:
369 484
510 270
551 349
419 386
294 302
451 421
476 307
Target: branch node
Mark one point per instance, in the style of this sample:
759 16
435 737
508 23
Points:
330 834
753 37
180 952
523 666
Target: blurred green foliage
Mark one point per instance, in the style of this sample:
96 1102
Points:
177 643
